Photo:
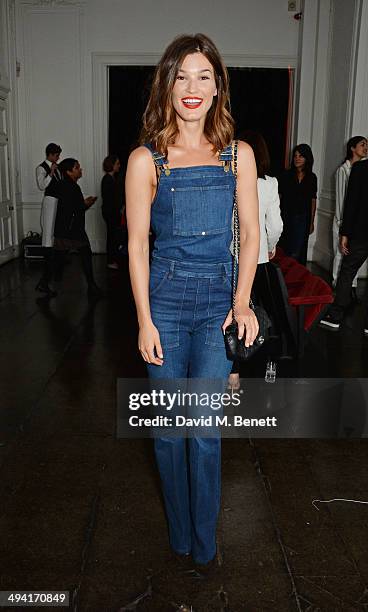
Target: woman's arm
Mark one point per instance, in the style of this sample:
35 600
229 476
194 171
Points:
249 240
340 192
313 213
313 203
140 187
249 244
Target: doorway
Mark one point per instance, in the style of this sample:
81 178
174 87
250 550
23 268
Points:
260 101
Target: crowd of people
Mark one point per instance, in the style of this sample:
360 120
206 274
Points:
63 217
287 207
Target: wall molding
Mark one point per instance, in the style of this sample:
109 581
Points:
327 194
4 89
236 60
53 3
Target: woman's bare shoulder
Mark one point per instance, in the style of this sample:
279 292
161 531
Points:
141 156
245 150
141 165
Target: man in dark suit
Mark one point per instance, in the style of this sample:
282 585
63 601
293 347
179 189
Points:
353 243
69 231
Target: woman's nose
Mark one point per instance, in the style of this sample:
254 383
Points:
192 85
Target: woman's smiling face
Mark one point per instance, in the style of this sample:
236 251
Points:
194 88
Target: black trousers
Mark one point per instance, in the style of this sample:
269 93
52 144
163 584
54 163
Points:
48 265
358 253
111 236
85 254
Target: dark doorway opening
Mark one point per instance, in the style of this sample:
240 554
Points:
259 101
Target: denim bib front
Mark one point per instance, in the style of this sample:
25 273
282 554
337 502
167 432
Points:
192 211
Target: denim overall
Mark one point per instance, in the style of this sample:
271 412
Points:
190 296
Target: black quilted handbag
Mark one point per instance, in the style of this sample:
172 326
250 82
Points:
235 347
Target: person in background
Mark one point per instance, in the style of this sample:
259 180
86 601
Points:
356 150
270 222
353 244
111 207
69 232
47 178
298 193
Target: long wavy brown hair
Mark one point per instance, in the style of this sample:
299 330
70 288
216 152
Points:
159 120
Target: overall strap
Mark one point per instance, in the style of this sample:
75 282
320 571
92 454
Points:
226 157
226 154
159 160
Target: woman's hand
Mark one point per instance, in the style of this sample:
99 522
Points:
247 323
149 344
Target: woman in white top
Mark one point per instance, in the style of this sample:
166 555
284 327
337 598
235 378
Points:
270 222
356 149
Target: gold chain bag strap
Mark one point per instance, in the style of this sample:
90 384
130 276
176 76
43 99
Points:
235 348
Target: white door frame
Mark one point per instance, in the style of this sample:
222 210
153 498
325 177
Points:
102 61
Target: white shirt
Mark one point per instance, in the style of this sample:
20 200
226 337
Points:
42 178
270 222
341 184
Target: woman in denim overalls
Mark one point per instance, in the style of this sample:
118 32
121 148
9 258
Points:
184 172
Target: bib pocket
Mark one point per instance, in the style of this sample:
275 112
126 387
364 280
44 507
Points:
201 211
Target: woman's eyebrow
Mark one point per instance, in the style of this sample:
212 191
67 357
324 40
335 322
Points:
204 70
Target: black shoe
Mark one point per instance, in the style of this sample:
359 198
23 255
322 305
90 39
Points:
181 562
44 288
95 291
328 321
208 570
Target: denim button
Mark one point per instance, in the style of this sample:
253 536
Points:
203 233
172 189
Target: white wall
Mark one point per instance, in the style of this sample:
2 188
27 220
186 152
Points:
57 45
345 93
64 47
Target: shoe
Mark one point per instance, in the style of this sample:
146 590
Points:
208 570
95 291
113 266
45 289
329 321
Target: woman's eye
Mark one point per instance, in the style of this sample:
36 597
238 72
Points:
204 78
180 77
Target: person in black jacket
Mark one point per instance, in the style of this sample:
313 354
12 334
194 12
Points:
353 243
69 231
111 207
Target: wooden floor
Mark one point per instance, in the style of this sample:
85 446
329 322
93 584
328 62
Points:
81 510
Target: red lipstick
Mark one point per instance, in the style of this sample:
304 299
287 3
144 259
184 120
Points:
192 103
